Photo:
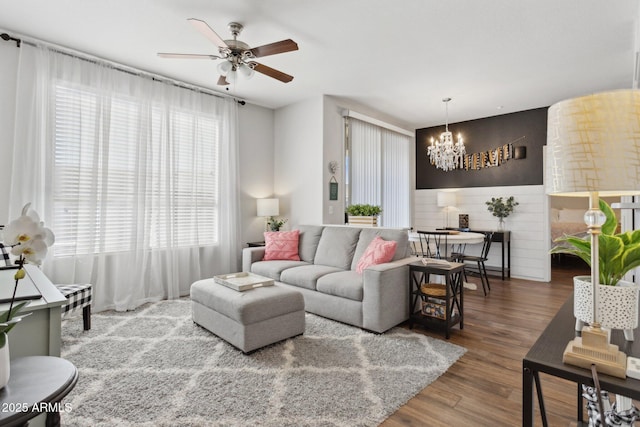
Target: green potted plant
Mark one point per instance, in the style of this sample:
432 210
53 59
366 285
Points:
274 224
618 254
363 215
501 208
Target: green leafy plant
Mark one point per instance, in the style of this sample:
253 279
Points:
363 210
275 224
501 208
617 253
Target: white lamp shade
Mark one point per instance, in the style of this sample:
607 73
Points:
593 145
268 207
224 67
446 199
246 71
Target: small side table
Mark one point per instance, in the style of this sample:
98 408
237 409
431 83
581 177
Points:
37 384
453 302
255 244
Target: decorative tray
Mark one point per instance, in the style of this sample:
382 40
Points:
242 281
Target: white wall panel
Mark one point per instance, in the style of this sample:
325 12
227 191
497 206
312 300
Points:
528 224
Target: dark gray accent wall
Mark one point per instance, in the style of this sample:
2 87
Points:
482 135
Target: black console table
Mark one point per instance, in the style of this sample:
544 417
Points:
37 384
504 238
546 356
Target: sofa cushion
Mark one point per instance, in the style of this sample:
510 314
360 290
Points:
306 275
368 234
281 245
309 238
273 269
336 247
379 251
344 284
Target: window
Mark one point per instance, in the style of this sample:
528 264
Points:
378 161
126 171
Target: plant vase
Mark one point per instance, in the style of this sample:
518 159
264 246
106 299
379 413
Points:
617 305
363 221
4 360
501 224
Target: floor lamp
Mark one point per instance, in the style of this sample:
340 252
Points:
593 149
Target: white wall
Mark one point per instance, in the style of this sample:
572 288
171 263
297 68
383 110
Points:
256 166
298 171
530 238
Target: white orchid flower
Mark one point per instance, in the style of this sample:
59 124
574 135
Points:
34 251
28 236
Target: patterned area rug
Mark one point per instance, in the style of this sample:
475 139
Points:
155 367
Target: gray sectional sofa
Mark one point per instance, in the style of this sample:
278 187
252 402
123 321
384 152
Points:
326 275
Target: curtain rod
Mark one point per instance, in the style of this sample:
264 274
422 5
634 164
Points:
117 66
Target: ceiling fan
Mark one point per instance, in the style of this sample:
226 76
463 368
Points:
238 55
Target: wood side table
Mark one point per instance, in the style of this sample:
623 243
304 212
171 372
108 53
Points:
37 385
453 304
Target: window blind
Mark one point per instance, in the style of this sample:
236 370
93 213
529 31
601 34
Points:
126 172
379 165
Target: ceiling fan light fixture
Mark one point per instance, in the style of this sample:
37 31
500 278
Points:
246 71
232 76
224 67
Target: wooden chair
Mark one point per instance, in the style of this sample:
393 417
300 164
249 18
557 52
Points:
480 260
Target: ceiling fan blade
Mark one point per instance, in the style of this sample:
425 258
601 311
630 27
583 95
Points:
206 30
222 81
272 72
187 56
273 48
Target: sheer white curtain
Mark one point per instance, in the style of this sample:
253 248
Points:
380 174
137 178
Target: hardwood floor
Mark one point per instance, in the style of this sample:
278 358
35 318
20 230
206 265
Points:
484 388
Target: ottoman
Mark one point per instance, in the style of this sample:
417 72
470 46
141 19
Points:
251 319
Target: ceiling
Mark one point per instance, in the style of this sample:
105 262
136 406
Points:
397 59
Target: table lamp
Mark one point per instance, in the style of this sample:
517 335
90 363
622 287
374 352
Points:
593 149
268 208
446 200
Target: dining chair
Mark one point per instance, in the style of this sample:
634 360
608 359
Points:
480 260
433 244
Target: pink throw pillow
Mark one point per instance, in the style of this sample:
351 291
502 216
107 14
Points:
379 251
281 245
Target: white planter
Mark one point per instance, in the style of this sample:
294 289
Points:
617 305
363 221
4 362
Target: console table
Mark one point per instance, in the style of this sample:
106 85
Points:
36 385
546 356
504 238
453 303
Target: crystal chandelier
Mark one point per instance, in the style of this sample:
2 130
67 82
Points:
444 153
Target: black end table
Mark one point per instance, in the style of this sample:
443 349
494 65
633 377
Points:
37 385
546 356
453 304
